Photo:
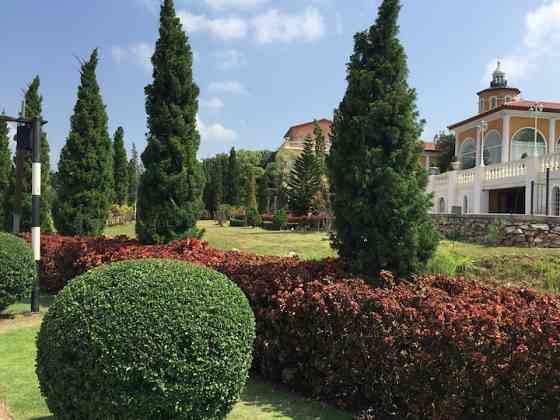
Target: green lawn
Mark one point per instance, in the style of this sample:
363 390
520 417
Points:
528 267
19 387
313 245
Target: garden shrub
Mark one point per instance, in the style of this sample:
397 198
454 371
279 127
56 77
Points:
238 223
17 270
433 348
280 219
151 339
253 217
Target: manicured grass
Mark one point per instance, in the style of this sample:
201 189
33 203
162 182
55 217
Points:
19 387
312 245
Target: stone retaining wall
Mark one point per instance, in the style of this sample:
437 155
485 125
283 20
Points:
518 230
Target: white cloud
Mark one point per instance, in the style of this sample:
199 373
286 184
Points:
234 4
542 38
278 26
215 133
229 86
272 26
223 28
140 53
543 26
229 59
213 104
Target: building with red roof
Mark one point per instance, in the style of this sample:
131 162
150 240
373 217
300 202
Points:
504 154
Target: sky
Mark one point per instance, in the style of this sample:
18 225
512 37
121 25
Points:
265 65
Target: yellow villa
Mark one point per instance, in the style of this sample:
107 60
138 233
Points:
507 156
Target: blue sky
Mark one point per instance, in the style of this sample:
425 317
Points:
264 65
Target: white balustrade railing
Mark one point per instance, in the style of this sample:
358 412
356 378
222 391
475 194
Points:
505 170
440 180
466 177
551 162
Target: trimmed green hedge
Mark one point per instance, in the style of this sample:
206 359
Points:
17 270
148 339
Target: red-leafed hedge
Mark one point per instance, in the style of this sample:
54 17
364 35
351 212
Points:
437 348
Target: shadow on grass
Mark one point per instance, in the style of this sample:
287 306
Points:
271 399
44 418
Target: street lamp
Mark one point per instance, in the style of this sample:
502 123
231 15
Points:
535 109
482 127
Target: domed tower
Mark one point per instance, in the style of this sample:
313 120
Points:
498 93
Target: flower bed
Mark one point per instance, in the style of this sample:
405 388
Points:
438 348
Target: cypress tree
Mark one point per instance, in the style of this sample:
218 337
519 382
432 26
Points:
120 168
263 193
6 174
320 147
34 108
377 182
304 181
233 179
84 170
251 196
170 194
133 177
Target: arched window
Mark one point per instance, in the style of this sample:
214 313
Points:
468 154
523 144
465 204
556 201
441 205
481 105
508 99
493 102
492 148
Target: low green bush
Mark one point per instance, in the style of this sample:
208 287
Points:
148 339
446 263
253 217
17 270
280 219
237 223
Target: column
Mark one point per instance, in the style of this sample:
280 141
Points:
456 144
451 190
506 119
477 190
552 136
479 152
532 165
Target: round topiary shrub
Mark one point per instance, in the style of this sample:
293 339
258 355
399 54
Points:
17 270
149 339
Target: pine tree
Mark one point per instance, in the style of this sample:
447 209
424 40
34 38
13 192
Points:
320 147
304 180
133 177
84 170
377 182
6 175
233 179
120 168
170 194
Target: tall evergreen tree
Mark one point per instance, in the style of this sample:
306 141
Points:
120 168
34 108
233 179
304 180
320 147
170 194
133 177
445 145
6 175
84 171
378 184
251 196
263 193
